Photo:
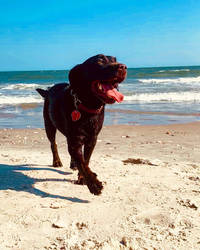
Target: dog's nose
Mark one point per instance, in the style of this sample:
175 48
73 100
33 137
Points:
122 66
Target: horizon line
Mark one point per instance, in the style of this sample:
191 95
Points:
143 67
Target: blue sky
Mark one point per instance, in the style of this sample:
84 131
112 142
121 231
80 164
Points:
57 34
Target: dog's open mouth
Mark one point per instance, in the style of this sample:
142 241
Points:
107 91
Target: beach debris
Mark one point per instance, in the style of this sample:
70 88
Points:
169 133
54 206
82 225
60 223
56 225
196 191
194 178
138 161
126 136
4 155
188 203
194 166
124 241
186 223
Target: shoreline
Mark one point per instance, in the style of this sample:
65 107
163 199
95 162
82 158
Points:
30 116
150 198
150 112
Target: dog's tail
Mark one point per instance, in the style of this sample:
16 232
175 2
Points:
43 92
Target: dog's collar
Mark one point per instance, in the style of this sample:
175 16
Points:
79 105
91 111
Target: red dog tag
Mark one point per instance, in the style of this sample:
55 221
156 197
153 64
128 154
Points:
76 115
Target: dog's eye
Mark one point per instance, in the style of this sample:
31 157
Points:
101 61
111 59
104 59
114 59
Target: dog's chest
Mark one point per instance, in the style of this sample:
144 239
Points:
88 125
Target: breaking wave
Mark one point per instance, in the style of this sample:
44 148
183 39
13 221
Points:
165 97
181 80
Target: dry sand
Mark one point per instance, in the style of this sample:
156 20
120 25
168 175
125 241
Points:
151 196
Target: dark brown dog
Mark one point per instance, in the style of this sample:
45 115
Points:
77 111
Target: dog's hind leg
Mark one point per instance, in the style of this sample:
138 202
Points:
51 135
73 164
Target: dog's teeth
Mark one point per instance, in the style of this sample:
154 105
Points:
100 87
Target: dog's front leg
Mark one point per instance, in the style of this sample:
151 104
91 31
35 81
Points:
76 152
88 148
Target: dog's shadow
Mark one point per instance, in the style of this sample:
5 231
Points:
12 178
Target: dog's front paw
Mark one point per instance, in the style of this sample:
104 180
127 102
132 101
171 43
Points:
94 185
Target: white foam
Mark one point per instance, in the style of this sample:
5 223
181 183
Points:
20 86
180 80
174 70
179 70
168 97
13 100
24 86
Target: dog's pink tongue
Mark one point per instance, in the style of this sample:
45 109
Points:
113 93
116 95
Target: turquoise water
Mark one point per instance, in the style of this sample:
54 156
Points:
160 95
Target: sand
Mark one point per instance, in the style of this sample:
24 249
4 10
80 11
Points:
151 196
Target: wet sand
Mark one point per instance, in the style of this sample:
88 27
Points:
30 116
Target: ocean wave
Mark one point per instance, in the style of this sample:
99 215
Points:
21 86
180 80
179 70
167 97
174 70
14 100
140 97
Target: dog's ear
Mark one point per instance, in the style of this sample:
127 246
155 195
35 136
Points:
76 75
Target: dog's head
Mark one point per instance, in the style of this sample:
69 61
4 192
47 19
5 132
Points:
98 76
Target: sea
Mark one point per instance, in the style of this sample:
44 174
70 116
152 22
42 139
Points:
152 96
